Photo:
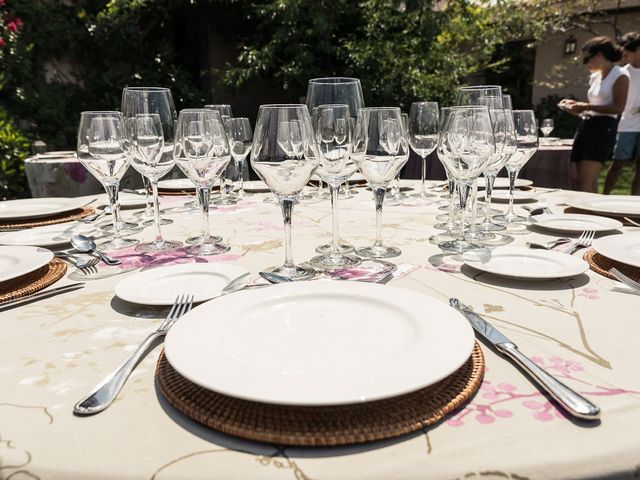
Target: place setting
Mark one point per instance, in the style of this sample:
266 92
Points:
37 212
616 252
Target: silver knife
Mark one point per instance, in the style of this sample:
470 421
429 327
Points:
41 294
572 401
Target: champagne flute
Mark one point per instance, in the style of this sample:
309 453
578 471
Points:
241 138
333 139
424 123
202 153
101 149
527 144
284 155
382 150
226 114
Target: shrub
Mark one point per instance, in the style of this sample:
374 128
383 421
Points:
14 148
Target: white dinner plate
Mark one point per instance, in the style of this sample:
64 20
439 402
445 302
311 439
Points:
521 262
47 236
38 207
16 261
161 285
575 222
518 195
612 204
502 182
621 248
256 186
321 342
126 199
176 184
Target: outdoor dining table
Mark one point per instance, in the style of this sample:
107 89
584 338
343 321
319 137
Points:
584 330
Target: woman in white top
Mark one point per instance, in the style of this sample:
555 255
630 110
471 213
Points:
607 95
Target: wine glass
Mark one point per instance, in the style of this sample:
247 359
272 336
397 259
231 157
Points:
334 144
241 138
527 144
202 153
284 155
382 148
476 95
226 114
465 145
101 149
150 123
506 102
397 195
546 127
424 124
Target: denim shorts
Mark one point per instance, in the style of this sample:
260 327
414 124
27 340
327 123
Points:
627 146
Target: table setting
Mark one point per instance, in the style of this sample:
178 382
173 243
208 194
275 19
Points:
383 346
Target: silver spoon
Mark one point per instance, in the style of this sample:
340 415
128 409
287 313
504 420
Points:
85 244
274 277
548 245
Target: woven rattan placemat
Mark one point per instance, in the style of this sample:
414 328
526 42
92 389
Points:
322 426
32 282
601 264
615 217
69 216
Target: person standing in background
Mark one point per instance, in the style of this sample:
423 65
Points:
628 139
607 96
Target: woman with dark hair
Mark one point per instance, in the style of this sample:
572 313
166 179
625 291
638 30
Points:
607 95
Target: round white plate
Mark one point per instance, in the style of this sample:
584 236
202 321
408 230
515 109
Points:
522 262
16 261
321 342
50 235
256 186
38 207
575 222
176 184
161 286
502 182
518 195
611 204
126 199
621 248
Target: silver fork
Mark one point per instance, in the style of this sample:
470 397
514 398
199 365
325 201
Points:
386 279
629 282
583 241
90 267
106 391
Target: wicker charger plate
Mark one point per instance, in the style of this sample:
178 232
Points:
69 216
601 264
322 426
614 217
30 283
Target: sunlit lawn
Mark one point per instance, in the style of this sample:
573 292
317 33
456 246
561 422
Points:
623 186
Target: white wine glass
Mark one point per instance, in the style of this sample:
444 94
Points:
202 153
424 124
547 126
241 139
382 149
101 149
226 113
284 155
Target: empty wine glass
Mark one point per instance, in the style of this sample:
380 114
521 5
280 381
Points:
527 144
202 153
241 138
546 127
465 145
476 95
382 148
333 139
226 114
284 155
101 149
424 124
506 102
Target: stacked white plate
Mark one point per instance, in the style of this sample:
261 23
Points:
18 261
319 343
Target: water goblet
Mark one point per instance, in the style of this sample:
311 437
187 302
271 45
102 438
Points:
241 138
424 124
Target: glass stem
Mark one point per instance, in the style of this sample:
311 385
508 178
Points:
112 193
240 165
156 211
452 202
423 190
463 193
223 187
490 180
148 192
512 190
203 196
379 199
287 210
334 216
474 202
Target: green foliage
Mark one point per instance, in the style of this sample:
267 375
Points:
14 148
565 124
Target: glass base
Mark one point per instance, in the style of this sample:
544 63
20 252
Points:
489 239
123 227
329 261
208 249
427 196
447 226
118 243
197 240
458 246
378 251
515 228
442 237
160 246
163 221
491 227
226 201
342 248
294 274
506 218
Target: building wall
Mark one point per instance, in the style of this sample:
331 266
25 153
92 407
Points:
565 75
